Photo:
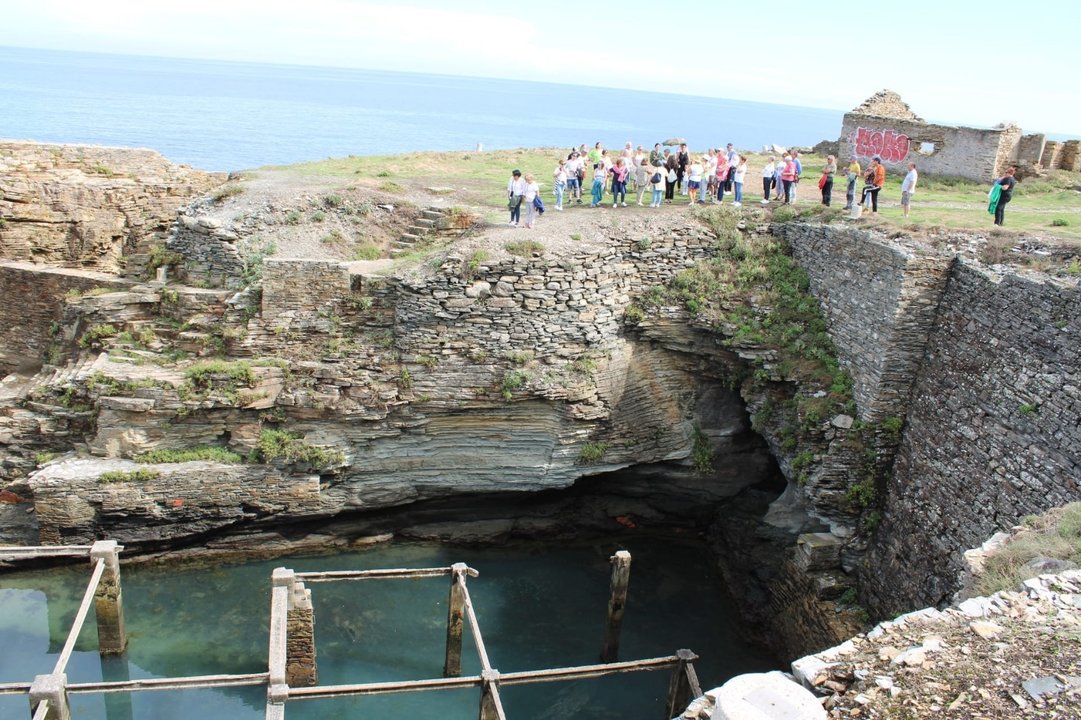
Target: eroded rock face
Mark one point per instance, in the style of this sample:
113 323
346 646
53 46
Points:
87 206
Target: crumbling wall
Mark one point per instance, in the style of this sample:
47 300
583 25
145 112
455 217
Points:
972 153
31 300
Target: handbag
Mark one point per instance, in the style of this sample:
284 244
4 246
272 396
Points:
822 181
672 176
656 178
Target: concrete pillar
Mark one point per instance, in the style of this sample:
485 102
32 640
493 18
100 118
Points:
617 601
109 600
54 689
452 667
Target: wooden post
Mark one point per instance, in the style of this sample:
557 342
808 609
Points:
108 599
53 690
683 686
491 708
452 667
617 601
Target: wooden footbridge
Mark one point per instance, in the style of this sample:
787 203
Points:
292 671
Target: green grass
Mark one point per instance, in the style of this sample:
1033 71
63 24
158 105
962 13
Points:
481 178
122 476
203 374
212 453
1056 535
523 248
224 193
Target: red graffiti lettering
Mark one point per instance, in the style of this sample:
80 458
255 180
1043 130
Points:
889 145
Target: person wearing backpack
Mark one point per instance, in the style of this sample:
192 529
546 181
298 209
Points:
825 183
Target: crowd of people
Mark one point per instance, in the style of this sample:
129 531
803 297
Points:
664 173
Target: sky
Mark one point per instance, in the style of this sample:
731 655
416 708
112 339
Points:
956 61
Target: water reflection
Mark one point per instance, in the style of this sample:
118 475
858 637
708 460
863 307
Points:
538 607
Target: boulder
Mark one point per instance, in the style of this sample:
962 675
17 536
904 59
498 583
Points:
765 696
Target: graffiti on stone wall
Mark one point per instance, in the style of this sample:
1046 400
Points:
889 145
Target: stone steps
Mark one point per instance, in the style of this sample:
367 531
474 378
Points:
420 230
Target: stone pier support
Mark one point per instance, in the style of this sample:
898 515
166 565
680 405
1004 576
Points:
109 600
300 666
54 689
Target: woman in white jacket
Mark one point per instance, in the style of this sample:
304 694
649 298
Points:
531 191
767 179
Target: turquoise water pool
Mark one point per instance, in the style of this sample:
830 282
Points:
539 606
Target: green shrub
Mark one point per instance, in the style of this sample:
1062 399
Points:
702 452
96 333
119 476
279 444
254 259
1060 222
319 216
592 452
634 314
202 374
391 187
513 380
861 495
212 453
333 201
293 217
476 259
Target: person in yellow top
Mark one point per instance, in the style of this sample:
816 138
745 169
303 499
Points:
853 176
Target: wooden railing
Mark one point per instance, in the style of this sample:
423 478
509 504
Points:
290 675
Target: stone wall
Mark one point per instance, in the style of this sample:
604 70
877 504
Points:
87 206
211 253
32 298
880 298
992 432
973 153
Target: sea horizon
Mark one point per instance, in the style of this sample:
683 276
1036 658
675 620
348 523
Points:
229 115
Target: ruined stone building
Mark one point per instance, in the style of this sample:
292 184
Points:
885 126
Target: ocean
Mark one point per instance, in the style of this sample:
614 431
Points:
231 115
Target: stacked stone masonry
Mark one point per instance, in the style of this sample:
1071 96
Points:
33 299
992 432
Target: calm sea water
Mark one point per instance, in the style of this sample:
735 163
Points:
537 606
231 116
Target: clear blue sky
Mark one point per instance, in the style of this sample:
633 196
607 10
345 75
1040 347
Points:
960 61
